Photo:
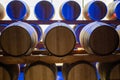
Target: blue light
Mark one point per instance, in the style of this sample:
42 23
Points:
59 76
21 76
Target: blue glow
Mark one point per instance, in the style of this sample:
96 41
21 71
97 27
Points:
117 11
44 10
16 10
21 76
97 10
71 10
77 30
59 76
39 31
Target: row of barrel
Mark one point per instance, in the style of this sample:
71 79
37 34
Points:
70 10
20 38
80 70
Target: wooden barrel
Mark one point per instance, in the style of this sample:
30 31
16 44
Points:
44 10
18 38
40 71
59 39
9 72
70 10
2 12
99 38
95 10
79 71
114 10
109 71
17 10
38 30
77 30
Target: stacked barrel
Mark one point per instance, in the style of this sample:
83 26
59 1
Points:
20 38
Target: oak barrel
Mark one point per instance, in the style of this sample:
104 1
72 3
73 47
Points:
40 71
17 10
109 70
80 70
18 38
95 10
70 10
59 39
9 71
99 38
44 10
114 10
2 11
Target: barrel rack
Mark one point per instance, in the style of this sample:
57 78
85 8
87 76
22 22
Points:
75 56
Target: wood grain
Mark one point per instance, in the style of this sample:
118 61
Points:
39 72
